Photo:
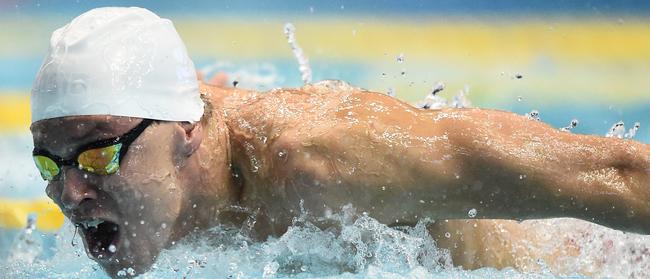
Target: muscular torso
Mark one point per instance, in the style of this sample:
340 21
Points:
311 148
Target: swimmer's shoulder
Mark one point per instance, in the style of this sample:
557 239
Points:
226 97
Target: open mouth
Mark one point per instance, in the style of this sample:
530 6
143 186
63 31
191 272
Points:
102 237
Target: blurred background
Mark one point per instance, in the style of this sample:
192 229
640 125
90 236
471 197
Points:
584 60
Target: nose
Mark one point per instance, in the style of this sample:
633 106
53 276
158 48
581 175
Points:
77 189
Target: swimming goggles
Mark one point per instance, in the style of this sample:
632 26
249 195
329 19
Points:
101 157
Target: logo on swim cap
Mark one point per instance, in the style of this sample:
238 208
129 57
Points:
117 61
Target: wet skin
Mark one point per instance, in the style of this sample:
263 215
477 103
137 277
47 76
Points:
326 146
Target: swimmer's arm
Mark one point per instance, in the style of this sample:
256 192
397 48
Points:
404 163
532 170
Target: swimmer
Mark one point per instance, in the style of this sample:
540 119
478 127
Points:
138 153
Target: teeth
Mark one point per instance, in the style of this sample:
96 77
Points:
92 223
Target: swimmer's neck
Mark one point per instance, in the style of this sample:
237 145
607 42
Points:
224 140
213 188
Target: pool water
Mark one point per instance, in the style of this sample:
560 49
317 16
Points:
353 248
356 246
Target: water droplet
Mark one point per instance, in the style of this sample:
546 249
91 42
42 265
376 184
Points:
632 132
438 88
616 131
472 213
163 225
141 222
303 62
112 248
400 58
461 100
520 98
448 235
572 124
390 92
76 228
533 115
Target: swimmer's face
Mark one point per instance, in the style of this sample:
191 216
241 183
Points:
124 218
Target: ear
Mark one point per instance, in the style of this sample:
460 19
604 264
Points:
193 137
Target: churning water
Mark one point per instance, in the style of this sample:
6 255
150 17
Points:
357 246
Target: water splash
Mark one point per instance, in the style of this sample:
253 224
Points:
632 132
533 115
354 247
76 231
303 62
572 125
438 88
400 58
27 247
391 92
461 100
617 130
432 100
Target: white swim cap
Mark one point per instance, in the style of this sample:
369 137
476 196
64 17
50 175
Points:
117 61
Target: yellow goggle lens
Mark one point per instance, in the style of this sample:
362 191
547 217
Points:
46 166
103 160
